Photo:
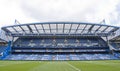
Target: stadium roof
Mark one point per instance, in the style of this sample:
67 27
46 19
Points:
59 28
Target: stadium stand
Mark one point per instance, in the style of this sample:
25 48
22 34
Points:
3 48
115 43
61 41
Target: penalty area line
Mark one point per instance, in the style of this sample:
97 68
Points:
73 66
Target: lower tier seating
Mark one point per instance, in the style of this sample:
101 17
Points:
60 57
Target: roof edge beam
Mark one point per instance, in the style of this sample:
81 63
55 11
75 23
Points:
70 28
43 28
77 28
15 29
105 29
50 28
89 30
36 28
97 29
29 29
56 27
6 30
63 27
113 30
22 29
84 29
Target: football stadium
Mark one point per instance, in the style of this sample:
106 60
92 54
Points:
60 46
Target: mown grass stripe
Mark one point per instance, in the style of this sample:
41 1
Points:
73 66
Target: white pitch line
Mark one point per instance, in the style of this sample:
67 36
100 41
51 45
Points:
73 66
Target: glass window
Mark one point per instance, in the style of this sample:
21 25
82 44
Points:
109 29
82 26
11 30
95 28
53 26
67 28
46 26
39 27
102 28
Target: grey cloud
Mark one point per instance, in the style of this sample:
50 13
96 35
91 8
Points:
43 12
115 16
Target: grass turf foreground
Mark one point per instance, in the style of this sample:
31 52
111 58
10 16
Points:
107 65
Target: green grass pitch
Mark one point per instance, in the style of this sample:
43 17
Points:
106 65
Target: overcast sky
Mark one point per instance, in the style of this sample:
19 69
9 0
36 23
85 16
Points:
29 11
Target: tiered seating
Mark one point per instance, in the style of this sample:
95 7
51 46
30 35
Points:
24 57
58 42
117 54
2 48
80 48
115 45
46 57
74 57
96 56
61 57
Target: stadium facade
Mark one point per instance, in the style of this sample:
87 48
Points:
60 41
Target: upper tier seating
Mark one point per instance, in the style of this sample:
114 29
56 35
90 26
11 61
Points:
58 42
